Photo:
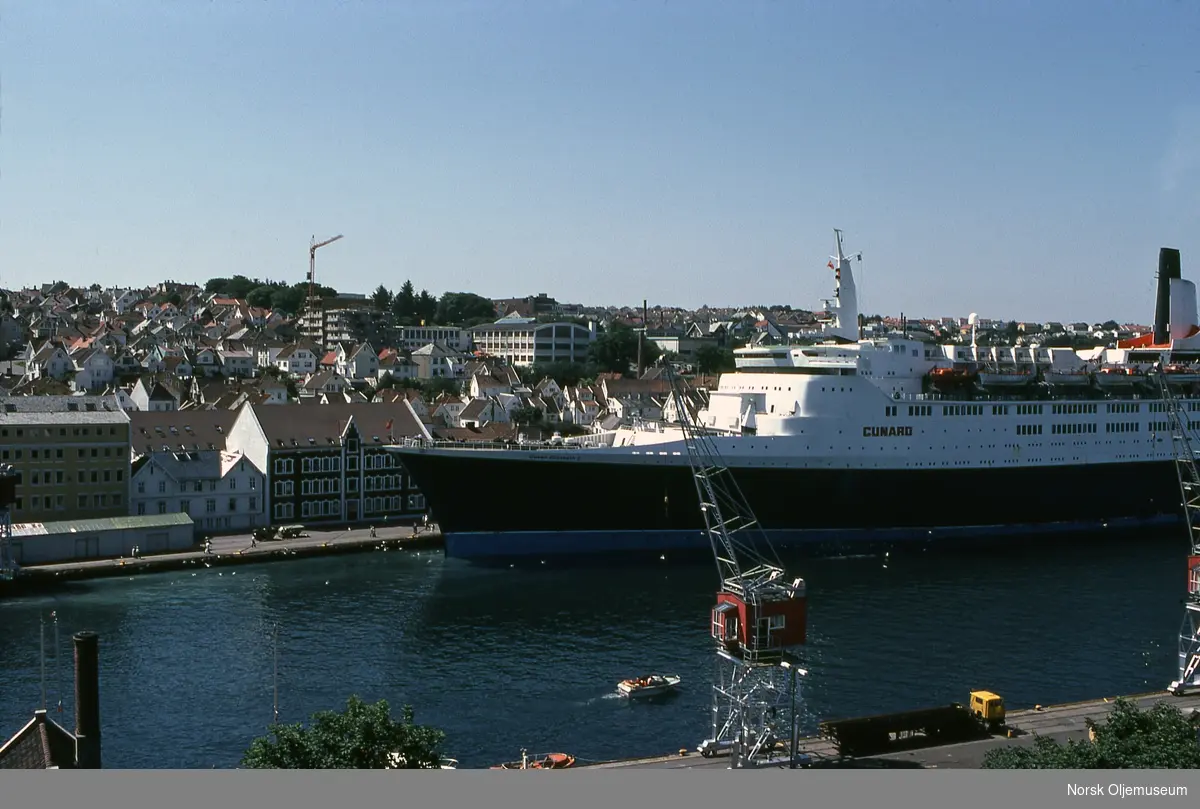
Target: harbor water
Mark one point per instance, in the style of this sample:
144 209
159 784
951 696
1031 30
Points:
504 659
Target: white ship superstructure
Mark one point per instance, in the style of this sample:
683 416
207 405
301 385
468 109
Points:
850 439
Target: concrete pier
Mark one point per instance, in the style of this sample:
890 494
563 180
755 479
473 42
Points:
232 550
1059 722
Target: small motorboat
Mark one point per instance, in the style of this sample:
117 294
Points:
551 761
652 685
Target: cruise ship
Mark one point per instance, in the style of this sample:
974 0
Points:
852 440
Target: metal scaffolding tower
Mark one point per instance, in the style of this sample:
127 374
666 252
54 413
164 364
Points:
1189 488
760 616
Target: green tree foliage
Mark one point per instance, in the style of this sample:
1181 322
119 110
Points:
426 307
713 360
616 350
564 373
381 297
404 303
1130 738
526 415
274 295
362 737
439 385
261 296
464 307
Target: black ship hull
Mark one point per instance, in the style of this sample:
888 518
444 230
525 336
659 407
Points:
492 505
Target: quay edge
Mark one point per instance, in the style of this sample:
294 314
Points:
1061 722
39 578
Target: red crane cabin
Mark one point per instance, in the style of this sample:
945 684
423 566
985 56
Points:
1193 575
778 622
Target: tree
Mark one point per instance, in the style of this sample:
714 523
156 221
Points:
362 737
564 373
381 297
460 307
711 359
426 307
404 303
438 385
526 415
617 349
1130 738
261 296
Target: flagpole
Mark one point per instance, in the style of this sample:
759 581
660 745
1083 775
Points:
42 627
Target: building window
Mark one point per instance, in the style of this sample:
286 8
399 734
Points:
416 502
232 484
233 504
254 504
210 506
162 487
141 509
162 507
185 506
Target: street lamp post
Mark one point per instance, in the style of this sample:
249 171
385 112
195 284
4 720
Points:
794 672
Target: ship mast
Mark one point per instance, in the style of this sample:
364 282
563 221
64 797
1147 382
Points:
1189 488
843 319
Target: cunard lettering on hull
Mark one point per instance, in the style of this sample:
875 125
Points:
886 432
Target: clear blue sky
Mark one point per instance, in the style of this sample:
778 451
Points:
1020 159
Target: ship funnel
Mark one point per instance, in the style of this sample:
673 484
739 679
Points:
1168 269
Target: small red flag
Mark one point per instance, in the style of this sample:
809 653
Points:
830 264
388 426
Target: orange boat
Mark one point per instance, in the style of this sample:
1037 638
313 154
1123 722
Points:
551 761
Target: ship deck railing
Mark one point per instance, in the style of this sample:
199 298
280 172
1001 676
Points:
1023 395
506 446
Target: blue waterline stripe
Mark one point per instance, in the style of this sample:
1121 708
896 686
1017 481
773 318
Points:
515 544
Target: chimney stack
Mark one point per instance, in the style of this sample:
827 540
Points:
1168 268
87 701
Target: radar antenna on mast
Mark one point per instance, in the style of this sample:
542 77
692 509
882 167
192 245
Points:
760 616
1189 489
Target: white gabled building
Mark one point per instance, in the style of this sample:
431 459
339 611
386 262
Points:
222 491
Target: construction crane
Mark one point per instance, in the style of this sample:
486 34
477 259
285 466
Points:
313 322
760 616
313 245
1189 489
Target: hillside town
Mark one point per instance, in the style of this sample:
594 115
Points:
243 404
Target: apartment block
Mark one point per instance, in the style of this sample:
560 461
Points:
71 455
